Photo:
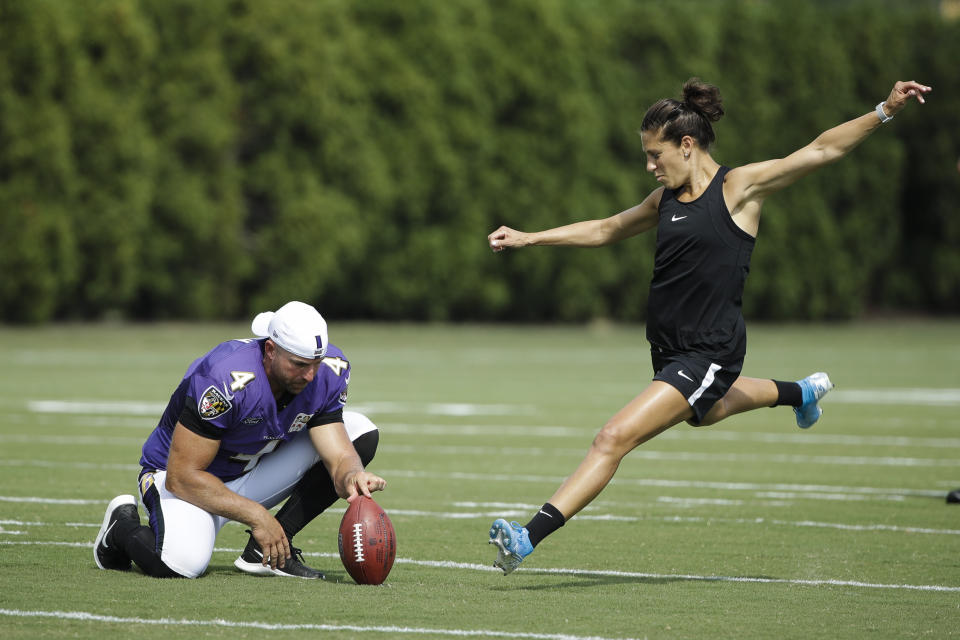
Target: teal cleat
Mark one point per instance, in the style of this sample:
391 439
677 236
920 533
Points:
513 544
814 387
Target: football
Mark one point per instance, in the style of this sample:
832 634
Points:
367 541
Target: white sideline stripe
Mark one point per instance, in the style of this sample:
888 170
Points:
811 583
459 409
840 497
806 490
546 431
693 502
664 576
683 456
143 424
500 477
646 454
811 438
682 576
102 466
36 500
96 441
915 397
270 626
50 524
472 566
89 407
658 482
519 510
580 433
947 397
447 408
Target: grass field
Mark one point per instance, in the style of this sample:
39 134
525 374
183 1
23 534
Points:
748 529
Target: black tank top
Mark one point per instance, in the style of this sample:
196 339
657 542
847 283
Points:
699 271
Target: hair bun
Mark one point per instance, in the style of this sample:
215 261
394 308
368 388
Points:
703 98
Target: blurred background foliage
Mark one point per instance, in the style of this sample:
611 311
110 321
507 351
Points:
182 159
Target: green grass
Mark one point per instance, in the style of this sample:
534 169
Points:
748 529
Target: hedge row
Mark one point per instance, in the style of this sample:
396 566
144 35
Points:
182 159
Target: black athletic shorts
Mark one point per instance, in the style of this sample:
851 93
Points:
701 381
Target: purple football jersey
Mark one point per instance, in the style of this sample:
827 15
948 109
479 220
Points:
229 388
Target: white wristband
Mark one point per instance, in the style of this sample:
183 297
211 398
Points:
882 115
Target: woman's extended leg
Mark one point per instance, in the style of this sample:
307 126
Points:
655 410
747 394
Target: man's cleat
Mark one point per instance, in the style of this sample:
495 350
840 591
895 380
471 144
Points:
953 497
106 553
251 561
513 544
814 387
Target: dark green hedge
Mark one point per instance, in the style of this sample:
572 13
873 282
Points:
174 158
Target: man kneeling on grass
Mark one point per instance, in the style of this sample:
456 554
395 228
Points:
253 422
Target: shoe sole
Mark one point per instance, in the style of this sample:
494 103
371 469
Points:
501 537
258 569
803 423
105 527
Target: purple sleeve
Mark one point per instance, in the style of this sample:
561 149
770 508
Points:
332 394
212 401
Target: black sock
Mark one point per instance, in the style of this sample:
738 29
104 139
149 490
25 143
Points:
788 393
140 544
315 491
545 522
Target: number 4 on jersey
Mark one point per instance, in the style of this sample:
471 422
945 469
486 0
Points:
337 365
240 379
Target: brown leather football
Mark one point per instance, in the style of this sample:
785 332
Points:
367 541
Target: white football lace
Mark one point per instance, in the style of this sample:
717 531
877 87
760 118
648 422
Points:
358 541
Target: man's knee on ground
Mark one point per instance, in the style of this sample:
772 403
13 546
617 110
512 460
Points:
141 549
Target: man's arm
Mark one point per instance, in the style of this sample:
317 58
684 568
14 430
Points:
341 460
187 477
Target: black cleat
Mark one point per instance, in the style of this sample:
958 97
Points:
105 552
251 561
954 496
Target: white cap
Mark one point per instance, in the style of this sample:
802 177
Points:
296 327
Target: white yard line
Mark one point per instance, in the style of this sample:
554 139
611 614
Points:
460 409
38 500
506 510
117 414
764 490
943 397
641 453
660 482
270 626
681 456
912 396
472 566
